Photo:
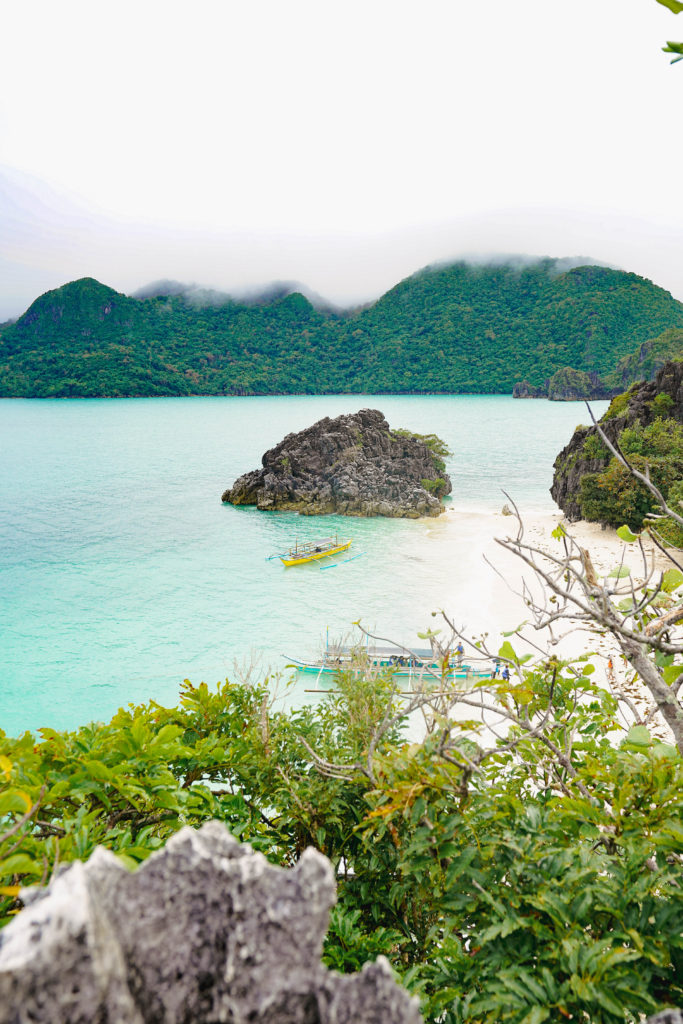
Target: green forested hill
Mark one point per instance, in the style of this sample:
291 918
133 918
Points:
457 328
469 328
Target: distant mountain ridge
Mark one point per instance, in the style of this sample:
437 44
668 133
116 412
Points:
448 329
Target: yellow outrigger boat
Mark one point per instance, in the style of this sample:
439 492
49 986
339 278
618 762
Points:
313 549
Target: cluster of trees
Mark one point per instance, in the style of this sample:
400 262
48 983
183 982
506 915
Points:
449 329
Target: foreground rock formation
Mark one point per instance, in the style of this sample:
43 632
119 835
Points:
351 465
204 932
641 404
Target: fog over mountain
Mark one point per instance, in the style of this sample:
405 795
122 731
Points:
457 328
50 237
199 295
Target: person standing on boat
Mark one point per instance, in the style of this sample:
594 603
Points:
459 650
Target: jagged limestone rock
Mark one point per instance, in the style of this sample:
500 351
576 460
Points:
205 930
350 465
638 405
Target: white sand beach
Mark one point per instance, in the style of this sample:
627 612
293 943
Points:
493 601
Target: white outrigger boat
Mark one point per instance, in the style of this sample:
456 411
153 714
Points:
415 665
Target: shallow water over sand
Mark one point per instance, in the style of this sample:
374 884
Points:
121 573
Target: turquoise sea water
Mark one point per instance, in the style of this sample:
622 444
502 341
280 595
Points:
121 573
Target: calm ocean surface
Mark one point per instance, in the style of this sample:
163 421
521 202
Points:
121 573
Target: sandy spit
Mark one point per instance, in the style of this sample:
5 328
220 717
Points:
492 602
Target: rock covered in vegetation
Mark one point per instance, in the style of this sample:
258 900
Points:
566 385
650 357
585 456
204 931
350 465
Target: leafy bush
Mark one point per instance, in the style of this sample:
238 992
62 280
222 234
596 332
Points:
662 405
595 448
437 487
518 893
617 406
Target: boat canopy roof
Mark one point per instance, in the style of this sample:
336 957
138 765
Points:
381 652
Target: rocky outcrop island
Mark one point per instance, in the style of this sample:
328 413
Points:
350 465
647 423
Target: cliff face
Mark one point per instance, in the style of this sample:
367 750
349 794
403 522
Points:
572 463
642 404
350 465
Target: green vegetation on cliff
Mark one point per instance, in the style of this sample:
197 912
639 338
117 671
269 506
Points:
448 329
614 496
649 358
646 423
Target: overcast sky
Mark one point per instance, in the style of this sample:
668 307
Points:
344 145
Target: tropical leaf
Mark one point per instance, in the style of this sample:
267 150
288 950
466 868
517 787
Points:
673 5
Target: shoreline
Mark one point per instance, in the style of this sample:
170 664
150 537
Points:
494 605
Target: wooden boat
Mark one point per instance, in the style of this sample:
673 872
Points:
419 664
311 550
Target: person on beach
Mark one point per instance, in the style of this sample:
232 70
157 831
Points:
459 650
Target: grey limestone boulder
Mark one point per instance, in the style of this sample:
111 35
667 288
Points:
350 465
205 930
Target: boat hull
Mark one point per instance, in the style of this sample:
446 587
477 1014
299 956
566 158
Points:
398 671
293 558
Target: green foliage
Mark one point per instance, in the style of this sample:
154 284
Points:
675 7
437 486
617 406
438 450
672 47
650 357
533 890
614 496
595 448
662 405
667 528
568 384
661 439
448 329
